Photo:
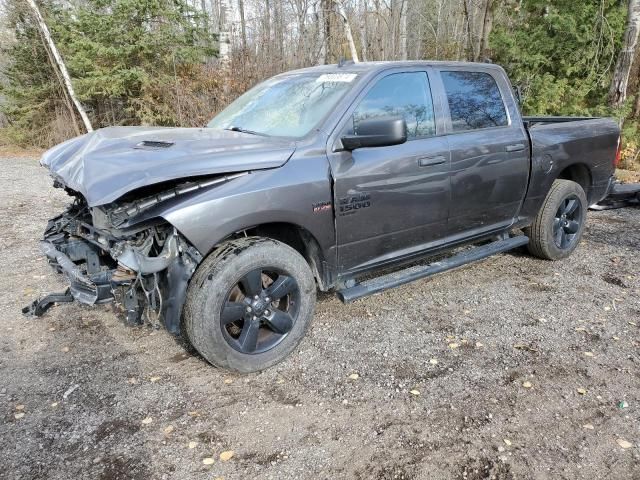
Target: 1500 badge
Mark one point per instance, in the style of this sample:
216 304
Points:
351 204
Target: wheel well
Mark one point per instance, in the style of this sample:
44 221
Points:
301 240
579 173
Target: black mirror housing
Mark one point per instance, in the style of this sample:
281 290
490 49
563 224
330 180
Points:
377 132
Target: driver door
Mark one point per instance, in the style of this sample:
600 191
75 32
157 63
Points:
391 201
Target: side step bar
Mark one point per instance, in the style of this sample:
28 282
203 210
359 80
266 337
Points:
395 279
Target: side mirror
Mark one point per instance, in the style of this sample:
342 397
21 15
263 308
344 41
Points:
377 132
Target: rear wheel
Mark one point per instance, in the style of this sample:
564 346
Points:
558 227
249 304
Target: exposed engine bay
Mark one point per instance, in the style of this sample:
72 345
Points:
144 268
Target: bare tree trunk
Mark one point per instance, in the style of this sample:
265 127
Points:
364 38
403 30
636 110
224 35
620 82
243 27
326 25
60 65
487 26
347 31
469 30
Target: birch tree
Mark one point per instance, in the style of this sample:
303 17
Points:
620 82
59 65
347 30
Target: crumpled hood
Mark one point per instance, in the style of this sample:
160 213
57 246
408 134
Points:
105 164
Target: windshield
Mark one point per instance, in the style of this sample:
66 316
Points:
289 106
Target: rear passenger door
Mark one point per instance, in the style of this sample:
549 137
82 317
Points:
489 150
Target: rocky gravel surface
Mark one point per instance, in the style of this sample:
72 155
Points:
514 368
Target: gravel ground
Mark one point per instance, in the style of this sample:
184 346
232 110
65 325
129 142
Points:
511 368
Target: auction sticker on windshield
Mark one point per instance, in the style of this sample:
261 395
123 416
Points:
336 77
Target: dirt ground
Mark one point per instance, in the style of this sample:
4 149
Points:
511 368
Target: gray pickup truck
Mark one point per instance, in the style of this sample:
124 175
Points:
341 177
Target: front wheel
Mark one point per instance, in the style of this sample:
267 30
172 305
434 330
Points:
558 227
249 304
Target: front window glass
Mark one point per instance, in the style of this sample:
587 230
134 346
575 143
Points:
474 101
405 95
288 106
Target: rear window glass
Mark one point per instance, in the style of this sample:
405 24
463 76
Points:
474 101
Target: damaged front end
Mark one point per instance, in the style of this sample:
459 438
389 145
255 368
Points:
143 268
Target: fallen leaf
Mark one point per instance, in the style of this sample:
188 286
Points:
194 413
54 404
132 380
193 445
588 426
453 345
523 346
154 379
228 381
18 416
632 323
65 349
226 456
479 344
208 461
466 312
527 384
168 429
616 338
607 308
507 442
588 354
542 320
624 444
415 392
354 376
581 391
147 421
20 407
433 361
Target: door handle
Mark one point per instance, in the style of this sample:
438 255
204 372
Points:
429 161
518 147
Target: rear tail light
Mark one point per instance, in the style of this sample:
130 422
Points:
616 160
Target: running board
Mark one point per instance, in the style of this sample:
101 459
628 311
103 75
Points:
395 279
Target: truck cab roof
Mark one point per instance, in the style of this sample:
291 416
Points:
378 66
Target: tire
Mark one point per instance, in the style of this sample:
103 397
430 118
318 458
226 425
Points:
228 277
553 236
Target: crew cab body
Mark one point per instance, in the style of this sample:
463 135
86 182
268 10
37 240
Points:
469 169
450 185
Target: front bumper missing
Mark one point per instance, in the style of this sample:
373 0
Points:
86 288
146 273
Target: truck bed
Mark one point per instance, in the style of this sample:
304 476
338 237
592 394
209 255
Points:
582 149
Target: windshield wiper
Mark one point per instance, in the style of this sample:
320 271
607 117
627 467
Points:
244 130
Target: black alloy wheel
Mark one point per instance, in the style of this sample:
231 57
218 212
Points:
558 226
260 310
567 222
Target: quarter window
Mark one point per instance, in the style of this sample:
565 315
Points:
401 94
474 101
